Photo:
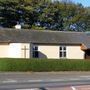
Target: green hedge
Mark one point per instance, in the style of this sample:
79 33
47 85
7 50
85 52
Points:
40 65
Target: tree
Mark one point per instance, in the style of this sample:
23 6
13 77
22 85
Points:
44 14
88 19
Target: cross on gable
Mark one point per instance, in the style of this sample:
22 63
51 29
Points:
25 51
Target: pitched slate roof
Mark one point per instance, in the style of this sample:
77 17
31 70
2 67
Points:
87 42
45 37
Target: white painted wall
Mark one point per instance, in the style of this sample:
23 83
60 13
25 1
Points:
48 51
27 55
4 50
52 51
14 50
75 52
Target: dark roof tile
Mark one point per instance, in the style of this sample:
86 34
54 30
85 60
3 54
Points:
36 36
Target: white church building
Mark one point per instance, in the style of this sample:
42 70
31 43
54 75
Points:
44 44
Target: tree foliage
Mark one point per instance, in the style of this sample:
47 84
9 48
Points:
44 14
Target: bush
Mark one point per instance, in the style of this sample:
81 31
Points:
41 65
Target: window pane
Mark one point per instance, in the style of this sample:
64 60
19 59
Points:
64 54
36 48
60 54
35 53
62 51
60 48
64 48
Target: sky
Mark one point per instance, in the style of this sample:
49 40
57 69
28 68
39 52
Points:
85 3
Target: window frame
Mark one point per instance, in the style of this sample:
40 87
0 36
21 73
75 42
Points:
62 52
35 53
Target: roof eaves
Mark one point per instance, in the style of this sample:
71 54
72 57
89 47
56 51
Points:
84 47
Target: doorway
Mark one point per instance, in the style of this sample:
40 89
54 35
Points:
87 54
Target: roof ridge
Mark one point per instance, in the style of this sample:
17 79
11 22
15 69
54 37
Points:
9 29
57 31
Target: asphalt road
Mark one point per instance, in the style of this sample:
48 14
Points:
21 80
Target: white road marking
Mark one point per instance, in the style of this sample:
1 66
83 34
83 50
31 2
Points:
28 89
9 81
85 76
51 80
74 79
35 80
73 88
55 80
24 89
70 79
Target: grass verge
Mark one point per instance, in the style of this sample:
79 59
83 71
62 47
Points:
43 65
